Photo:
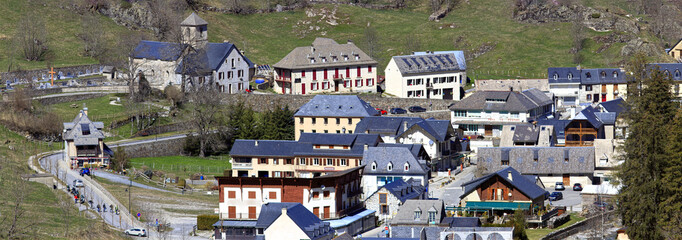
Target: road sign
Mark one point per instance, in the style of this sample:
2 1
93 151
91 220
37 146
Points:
138 214
386 228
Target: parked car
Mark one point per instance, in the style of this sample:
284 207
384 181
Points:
78 183
398 111
417 109
559 186
85 171
577 187
140 232
603 205
556 196
383 112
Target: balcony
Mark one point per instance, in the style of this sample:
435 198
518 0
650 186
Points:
242 165
342 213
581 131
579 143
240 216
283 79
86 152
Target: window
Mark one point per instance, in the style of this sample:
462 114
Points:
556 76
356 57
588 75
330 162
390 166
316 161
263 161
384 209
603 74
350 121
350 131
374 166
589 97
314 120
615 74
326 194
343 162
289 161
514 114
316 195
301 161
417 214
570 76
338 121
460 113
432 216
588 87
252 195
303 73
326 121
231 194
370 81
505 162
275 161
407 167
358 83
300 120
369 69
276 174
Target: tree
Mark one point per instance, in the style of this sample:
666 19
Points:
120 161
165 16
31 37
671 206
372 42
650 113
278 124
121 56
519 222
578 33
15 224
206 110
174 95
92 34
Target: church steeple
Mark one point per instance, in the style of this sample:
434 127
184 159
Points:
194 31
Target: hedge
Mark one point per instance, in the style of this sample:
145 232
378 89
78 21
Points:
205 222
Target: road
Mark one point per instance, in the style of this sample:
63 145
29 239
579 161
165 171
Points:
451 192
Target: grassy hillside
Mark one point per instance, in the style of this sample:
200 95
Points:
515 49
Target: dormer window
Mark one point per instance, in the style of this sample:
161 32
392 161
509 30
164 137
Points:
615 74
432 215
417 214
374 166
556 76
357 57
407 167
588 75
324 59
603 74
345 58
570 76
389 167
312 60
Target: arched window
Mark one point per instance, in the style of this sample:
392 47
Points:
570 76
667 73
677 73
588 75
556 76
407 167
615 74
374 166
390 166
603 74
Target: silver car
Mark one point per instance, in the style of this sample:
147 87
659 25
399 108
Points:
78 183
140 232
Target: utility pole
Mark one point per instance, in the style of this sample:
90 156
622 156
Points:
130 189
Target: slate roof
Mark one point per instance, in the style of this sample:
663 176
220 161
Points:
527 187
153 50
427 63
459 56
513 101
526 133
462 221
405 215
550 160
326 48
406 232
304 146
336 106
81 124
563 75
382 156
206 60
193 20
674 69
617 105
304 219
403 190
596 118
395 126
573 75
559 126
235 223
415 149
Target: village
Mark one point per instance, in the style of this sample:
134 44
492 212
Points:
191 139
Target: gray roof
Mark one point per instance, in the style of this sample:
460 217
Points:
327 49
616 106
208 59
235 223
395 126
416 149
304 146
336 106
520 182
504 101
83 131
596 118
406 232
301 216
403 190
406 213
673 69
563 75
559 126
382 156
586 76
193 20
427 63
550 160
462 221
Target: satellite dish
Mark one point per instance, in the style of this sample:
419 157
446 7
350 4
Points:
430 142
322 187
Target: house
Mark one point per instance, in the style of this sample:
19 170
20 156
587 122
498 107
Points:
588 125
573 86
673 71
384 165
568 165
526 134
427 75
194 60
484 113
326 67
314 154
419 213
332 114
437 136
502 191
84 142
387 200
675 51
331 196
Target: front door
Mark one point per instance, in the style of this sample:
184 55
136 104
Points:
488 130
567 180
231 212
326 212
336 84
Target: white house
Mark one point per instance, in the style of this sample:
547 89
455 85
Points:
384 165
428 75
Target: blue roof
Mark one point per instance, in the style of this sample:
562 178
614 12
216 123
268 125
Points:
413 189
209 59
563 75
559 126
462 221
527 187
596 118
674 69
287 148
585 75
338 139
336 106
395 126
274 148
158 50
304 219
415 149
382 156
338 223
617 105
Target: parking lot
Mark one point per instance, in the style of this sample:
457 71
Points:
571 199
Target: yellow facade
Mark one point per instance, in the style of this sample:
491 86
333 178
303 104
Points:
325 125
280 167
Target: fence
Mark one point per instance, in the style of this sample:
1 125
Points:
581 226
189 169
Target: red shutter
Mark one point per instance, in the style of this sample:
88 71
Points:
336 73
314 75
311 86
367 82
317 85
325 74
347 72
359 70
369 68
303 73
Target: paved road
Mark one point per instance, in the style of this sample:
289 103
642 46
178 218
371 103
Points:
572 199
123 180
450 193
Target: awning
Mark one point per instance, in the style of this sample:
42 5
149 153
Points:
337 223
470 205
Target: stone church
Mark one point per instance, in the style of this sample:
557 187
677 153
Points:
195 60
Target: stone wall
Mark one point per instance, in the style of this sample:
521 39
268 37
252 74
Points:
162 147
42 74
69 98
516 84
581 226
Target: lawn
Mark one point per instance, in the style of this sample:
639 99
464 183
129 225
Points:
184 166
536 234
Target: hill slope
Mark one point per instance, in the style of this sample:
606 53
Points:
504 47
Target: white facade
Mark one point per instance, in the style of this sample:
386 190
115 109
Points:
432 147
567 94
426 86
371 184
158 73
346 79
233 75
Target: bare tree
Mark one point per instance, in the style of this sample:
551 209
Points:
205 113
122 56
578 33
166 17
92 34
372 41
31 37
174 95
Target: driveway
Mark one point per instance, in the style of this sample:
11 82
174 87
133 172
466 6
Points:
572 199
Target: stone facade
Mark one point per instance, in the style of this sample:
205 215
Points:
392 202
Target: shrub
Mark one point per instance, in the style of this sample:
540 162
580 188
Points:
205 222
126 5
181 182
227 172
596 15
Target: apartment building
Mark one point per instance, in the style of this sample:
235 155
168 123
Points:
428 75
326 67
573 86
332 114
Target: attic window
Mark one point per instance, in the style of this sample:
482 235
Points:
556 76
345 58
603 74
542 128
374 166
570 76
85 129
513 128
417 214
615 74
357 57
312 60
390 166
588 75
324 59
407 167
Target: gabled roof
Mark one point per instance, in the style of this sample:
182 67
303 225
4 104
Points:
83 131
154 50
462 221
596 118
395 126
538 160
616 106
336 106
602 76
459 55
304 147
403 190
327 49
406 215
339 139
209 59
674 69
416 149
193 20
382 156
272 148
428 63
563 75
301 216
528 188
559 126
526 133
503 101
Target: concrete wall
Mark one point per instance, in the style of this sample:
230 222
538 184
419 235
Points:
516 84
159 148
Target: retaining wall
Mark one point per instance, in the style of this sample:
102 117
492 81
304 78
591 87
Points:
162 147
589 223
69 98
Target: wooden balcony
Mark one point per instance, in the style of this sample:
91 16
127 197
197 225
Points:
581 131
579 143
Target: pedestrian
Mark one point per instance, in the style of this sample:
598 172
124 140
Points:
98 209
75 199
104 206
116 209
111 207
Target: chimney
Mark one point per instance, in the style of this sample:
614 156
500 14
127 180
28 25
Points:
226 41
284 211
509 175
404 125
312 49
366 146
85 110
256 143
